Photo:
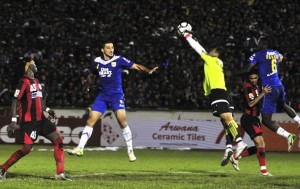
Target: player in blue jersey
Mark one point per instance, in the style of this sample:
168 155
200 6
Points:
109 69
267 61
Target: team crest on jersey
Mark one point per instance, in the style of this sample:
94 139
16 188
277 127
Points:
113 64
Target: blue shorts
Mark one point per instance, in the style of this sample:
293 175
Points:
271 99
114 102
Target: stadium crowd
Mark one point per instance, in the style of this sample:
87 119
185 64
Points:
64 36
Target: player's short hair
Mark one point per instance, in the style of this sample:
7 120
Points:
253 71
26 59
105 42
220 50
264 42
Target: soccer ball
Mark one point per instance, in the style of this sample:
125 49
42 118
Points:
184 27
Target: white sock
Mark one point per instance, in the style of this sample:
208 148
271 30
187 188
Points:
86 134
280 131
239 139
128 138
229 147
297 119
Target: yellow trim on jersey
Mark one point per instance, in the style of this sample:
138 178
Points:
214 76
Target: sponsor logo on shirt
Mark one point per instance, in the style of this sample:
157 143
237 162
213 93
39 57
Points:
37 94
105 72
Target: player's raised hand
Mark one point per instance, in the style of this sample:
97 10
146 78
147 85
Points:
184 28
267 89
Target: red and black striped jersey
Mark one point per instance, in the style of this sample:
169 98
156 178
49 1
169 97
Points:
29 95
250 93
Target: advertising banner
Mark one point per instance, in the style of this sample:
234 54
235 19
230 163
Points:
176 130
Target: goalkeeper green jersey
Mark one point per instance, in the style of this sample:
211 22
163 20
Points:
213 71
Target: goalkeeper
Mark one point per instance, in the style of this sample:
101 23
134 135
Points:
214 87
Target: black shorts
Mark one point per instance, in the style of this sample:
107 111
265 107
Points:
31 130
251 125
220 102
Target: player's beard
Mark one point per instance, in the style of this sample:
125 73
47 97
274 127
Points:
109 56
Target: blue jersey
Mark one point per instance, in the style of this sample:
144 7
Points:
110 73
267 62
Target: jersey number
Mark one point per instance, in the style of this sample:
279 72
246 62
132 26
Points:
274 66
33 135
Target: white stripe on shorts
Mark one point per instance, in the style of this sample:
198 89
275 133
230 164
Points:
217 101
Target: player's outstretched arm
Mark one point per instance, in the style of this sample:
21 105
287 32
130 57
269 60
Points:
184 29
144 69
194 44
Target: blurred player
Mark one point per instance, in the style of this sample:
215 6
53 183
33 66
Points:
109 68
252 96
28 97
267 61
214 86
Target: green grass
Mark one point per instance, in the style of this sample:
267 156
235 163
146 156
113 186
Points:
169 169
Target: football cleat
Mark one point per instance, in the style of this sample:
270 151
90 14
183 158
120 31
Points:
240 148
234 162
131 156
2 174
76 151
227 155
267 174
291 139
62 176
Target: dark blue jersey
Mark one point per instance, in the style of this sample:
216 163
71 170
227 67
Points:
267 62
110 73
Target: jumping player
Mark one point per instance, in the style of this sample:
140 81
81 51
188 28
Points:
267 61
109 68
214 87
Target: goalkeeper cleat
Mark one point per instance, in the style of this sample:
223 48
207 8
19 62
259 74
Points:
2 174
267 174
291 139
227 155
234 162
62 176
76 151
131 156
240 148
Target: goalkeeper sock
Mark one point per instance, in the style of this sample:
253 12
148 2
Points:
233 130
86 134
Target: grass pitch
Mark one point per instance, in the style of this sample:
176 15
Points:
170 169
